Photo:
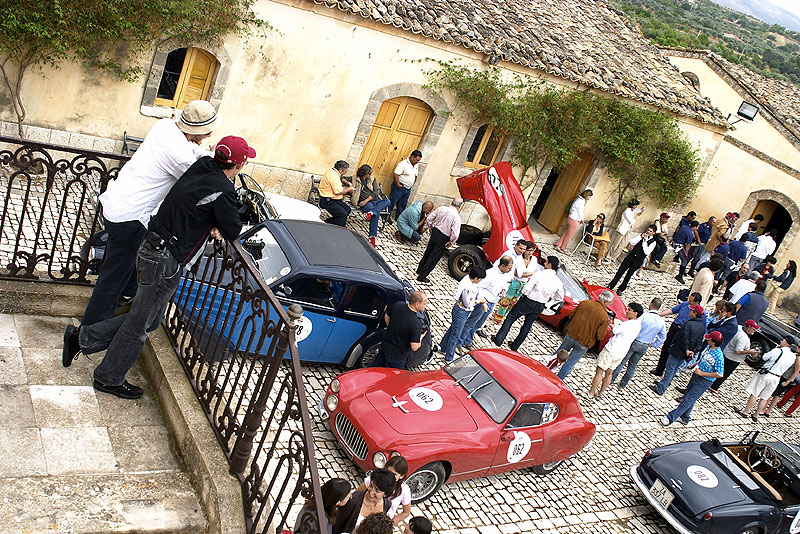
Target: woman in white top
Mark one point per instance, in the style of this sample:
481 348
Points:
401 498
574 218
622 233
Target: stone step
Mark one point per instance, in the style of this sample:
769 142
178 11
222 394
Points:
162 503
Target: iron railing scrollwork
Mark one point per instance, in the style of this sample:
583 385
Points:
50 210
230 332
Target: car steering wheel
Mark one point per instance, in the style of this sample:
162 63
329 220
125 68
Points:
762 459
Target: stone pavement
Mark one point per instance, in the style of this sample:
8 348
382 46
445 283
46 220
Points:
592 493
76 460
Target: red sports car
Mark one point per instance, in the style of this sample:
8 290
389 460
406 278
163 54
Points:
487 412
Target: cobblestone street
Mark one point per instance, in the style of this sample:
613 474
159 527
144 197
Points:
592 492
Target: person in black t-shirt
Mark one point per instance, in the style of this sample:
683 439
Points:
404 332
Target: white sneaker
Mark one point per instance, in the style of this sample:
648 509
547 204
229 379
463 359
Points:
665 421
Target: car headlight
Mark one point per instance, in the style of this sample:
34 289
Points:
549 412
331 402
379 460
335 385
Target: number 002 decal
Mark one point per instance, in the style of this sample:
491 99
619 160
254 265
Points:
519 448
426 398
303 328
794 528
702 476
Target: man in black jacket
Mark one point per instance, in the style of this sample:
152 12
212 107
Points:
635 259
201 204
687 342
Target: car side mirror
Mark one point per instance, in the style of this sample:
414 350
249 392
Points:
507 436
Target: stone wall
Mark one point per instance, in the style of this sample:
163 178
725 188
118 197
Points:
62 137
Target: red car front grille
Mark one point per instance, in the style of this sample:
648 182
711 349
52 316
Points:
351 437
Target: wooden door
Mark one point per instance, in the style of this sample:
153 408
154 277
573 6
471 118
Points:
199 69
396 132
564 190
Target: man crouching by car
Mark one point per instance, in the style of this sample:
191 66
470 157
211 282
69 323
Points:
403 333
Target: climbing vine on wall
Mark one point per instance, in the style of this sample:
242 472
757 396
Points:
646 152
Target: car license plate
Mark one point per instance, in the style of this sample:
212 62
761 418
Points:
660 493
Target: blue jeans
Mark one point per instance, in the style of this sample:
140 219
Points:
399 198
576 352
157 273
387 360
524 306
455 332
635 353
375 207
697 386
117 276
474 322
674 363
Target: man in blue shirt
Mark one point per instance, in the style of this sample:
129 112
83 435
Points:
708 366
652 334
682 311
704 231
683 238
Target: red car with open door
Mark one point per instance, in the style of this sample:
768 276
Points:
490 411
496 189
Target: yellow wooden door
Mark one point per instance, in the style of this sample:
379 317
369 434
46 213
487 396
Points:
198 71
564 190
767 209
396 132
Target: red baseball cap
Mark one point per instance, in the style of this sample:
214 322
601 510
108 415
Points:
665 215
234 149
697 309
714 336
752 324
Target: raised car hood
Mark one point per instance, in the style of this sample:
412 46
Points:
683 471
451 415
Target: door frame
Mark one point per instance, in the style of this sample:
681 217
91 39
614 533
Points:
440 113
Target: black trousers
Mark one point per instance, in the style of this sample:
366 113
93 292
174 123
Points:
662 359
433 252
730 367
338 209
630 264
658 253
524 306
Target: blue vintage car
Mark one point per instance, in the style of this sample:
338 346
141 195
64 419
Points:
343 285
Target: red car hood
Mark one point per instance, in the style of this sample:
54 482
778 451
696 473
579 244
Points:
617 306
432 406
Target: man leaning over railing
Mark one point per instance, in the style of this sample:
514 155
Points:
201 204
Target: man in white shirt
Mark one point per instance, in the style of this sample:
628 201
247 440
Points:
490 289
758 219
743 287
541 288
403 177
167 151
765 247
635 258
765 380
622 336
515 253
444 224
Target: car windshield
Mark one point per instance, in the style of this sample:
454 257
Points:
267 253
481 386
572 288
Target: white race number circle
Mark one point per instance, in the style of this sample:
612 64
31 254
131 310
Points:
512 237
551 307
304 327
702 476
426 398
494 181
794 528
519 447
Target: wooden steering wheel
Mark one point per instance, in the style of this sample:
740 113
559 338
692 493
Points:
762 459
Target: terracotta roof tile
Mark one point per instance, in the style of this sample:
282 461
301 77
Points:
585 41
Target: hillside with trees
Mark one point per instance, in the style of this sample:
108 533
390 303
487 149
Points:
768 49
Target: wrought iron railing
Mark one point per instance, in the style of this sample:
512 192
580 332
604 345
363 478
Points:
49 210
228 329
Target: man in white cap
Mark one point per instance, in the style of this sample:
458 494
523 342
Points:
201 205
169 149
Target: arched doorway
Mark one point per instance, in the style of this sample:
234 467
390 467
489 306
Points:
779 211
776 217
396 132
559 190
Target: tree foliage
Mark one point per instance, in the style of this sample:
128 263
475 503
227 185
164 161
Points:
110 35
645 151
